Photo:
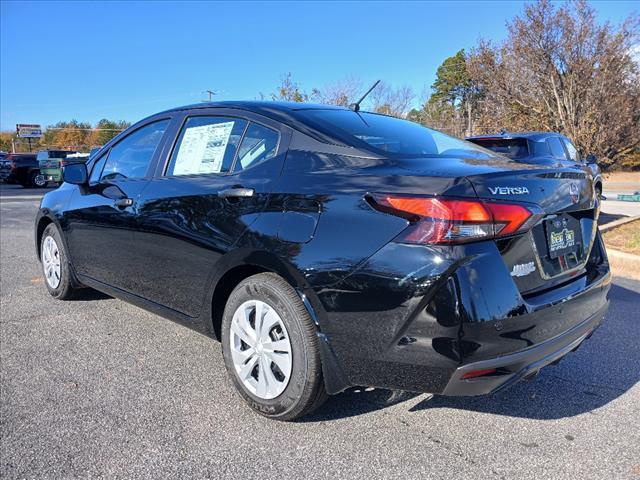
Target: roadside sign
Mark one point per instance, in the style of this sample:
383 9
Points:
28 130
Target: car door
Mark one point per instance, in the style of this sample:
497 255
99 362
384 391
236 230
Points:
213 184
102 215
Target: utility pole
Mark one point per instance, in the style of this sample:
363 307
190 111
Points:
211 94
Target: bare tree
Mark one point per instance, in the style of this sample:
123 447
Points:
559 70
289 90
391 101
343 92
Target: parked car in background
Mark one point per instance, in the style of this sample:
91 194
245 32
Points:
329 248
540 148
22 168
75 158
51 162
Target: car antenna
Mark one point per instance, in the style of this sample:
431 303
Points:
356 106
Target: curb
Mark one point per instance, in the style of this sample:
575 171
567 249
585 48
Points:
630 257
617 223
17 198
624 264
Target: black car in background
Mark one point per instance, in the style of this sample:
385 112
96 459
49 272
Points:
329 248
22 168
540 148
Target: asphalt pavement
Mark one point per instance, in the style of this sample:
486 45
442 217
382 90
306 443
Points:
99 388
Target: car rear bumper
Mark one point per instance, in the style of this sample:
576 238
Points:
506 370
411 318
52 174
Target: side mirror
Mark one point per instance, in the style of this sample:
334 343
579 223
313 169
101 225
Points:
75 173
591 159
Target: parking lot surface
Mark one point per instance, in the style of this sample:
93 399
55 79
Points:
97 387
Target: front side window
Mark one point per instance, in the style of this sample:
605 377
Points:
206 145
96 169
258 144
388 136
573 151
557 150
130 157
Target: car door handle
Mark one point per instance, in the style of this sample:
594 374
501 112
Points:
236 192
123 202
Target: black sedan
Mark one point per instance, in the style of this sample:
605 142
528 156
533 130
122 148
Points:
540 148
328 247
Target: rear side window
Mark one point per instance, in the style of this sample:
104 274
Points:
206 145
556 148
130 157
258 144
512 147
573 151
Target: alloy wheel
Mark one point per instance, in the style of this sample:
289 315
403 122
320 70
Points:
39 180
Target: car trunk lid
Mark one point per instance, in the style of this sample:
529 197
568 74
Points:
557 247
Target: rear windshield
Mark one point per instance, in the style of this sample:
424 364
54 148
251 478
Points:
387 135
512 147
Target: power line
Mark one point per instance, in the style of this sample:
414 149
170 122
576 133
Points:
88 129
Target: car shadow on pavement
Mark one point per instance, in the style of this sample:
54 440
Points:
603 369
608 218
89 294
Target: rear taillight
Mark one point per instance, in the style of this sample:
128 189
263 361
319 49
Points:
448 221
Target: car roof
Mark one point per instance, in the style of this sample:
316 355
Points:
283 112
259 106
511 135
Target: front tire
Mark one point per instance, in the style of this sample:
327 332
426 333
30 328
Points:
55 264
270 348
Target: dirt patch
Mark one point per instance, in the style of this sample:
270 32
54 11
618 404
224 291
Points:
625 238
623 181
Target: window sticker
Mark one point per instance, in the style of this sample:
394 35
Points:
202 149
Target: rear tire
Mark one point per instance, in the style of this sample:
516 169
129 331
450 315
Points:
55 264
36 180
598 190
264 310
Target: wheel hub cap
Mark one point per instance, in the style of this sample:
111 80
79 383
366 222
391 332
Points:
51 262
260 349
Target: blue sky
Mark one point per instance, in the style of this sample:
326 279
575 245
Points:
124 60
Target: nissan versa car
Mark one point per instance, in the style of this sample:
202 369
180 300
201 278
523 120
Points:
540 148
328 247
